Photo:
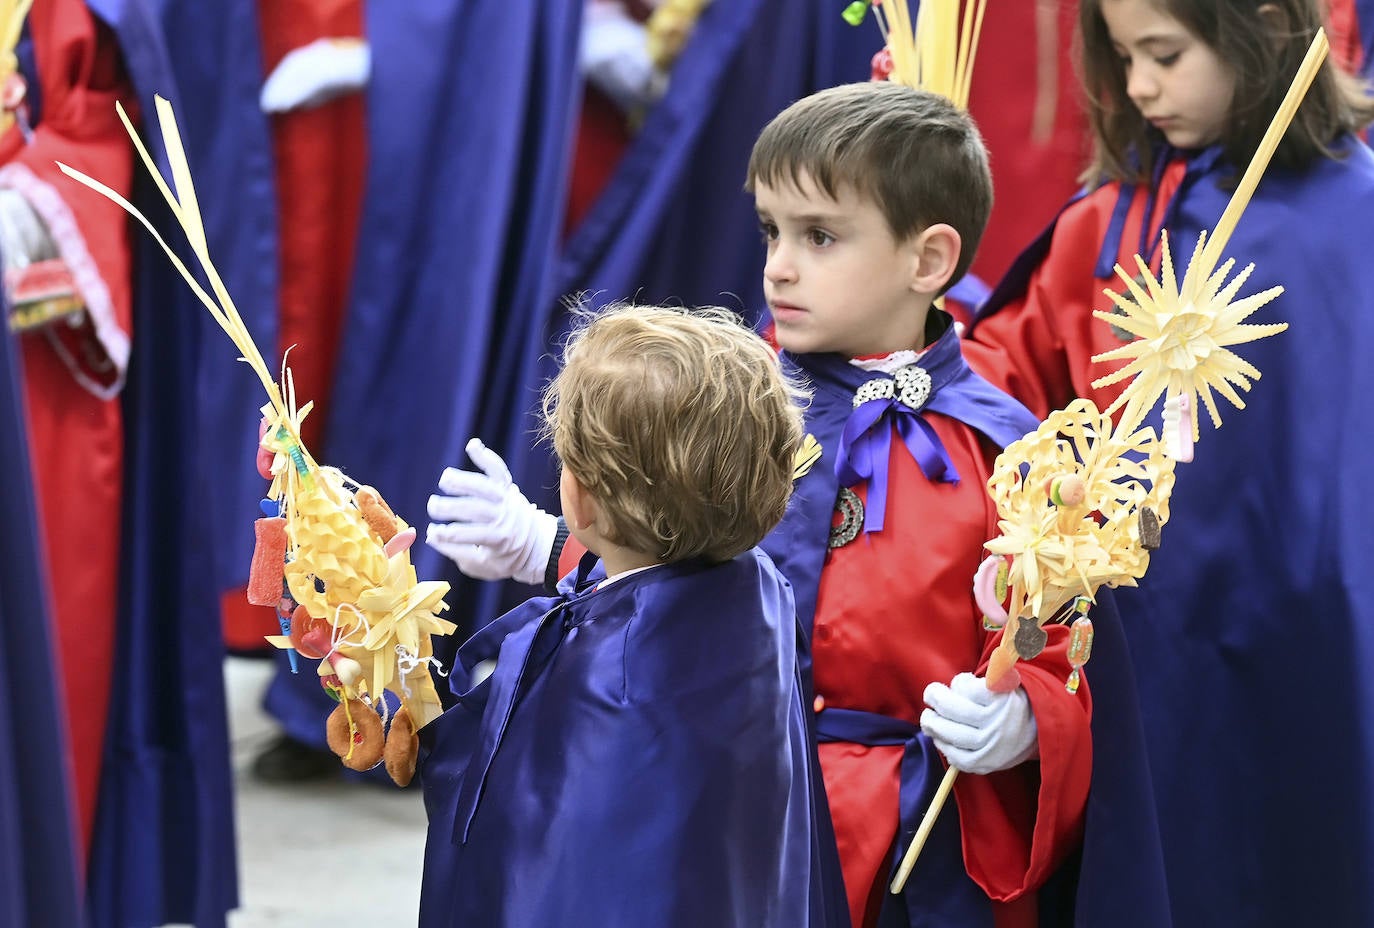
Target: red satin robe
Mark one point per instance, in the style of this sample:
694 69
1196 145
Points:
895 612
1042 354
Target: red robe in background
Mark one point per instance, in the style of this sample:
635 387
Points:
602 137
1027 103
1347 42
321 159
72 375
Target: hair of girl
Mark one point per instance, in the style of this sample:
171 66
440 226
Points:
1263 43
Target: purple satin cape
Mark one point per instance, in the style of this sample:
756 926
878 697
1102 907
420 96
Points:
641 755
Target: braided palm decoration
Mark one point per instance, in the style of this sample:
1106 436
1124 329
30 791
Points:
346 566
1065 545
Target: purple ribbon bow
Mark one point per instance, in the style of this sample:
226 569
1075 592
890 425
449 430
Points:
866 443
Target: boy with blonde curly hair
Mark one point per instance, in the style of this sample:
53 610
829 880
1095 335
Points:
640 755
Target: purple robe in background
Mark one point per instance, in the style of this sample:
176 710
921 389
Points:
470 110
164 849
38 841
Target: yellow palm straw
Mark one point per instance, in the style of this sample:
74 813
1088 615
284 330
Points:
936 52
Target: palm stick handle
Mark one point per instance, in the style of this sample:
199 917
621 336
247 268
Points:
922 833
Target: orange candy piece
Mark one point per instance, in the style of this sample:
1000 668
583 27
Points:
1002 676
269 559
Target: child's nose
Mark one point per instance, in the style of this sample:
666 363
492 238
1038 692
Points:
1141 84
779 267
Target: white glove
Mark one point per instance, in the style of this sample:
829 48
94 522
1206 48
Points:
614 55
316 73
977 730
24 237
484 524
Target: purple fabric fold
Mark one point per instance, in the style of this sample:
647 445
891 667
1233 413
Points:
865 446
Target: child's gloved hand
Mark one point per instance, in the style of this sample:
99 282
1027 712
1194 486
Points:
24 238
614 56
315 74
977 730
484 524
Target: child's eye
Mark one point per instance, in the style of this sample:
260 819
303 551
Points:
1168 60
819 237
768 230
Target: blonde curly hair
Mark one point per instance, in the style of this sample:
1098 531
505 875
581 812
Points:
680 424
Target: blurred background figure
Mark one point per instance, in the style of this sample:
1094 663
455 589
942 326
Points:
316 64
39 880
67 285
78 307
163 848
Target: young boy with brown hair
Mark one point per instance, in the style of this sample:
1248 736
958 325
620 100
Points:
872 198
640 754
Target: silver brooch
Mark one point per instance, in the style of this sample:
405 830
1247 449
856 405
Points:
879 389
910 385
850 509
913 386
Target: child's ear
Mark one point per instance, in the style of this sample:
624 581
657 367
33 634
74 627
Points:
936 252
579 508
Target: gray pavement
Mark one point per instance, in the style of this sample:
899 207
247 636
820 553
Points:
330 853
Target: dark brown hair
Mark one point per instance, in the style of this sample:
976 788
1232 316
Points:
1263 51
912 152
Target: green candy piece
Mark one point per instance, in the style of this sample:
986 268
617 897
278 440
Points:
854 13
